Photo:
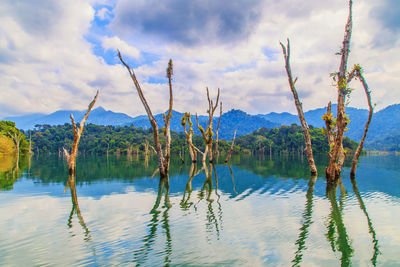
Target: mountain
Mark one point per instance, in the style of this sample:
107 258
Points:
384 123
243 122
98 116
283 118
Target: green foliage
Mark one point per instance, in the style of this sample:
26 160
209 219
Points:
8 128
287 139
98 139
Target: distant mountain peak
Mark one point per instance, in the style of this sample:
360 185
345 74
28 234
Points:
99 109
236 112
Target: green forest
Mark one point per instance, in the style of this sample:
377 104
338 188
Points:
128 139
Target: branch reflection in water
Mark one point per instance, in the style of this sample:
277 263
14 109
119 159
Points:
75 207
370 226
307 221
337 233
207 188
140 256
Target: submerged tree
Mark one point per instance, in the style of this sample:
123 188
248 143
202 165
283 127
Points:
335 126
186 119
163 155
358 74
71 158
208 133
299 107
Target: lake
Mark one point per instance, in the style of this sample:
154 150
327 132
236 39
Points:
257 211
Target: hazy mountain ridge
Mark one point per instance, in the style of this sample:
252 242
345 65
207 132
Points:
384 123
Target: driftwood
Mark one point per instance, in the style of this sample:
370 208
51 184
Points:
162 155
71 157
304 125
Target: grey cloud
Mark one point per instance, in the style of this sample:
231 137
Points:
35 16
188 22
388 13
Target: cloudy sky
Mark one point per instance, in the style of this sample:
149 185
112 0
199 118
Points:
55 54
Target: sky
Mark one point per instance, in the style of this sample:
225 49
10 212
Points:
55 54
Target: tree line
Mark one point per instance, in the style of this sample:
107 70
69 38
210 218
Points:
97 139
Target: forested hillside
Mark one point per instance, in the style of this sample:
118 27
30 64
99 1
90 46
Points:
128 139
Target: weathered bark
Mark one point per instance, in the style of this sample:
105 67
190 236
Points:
186 119
333 169
71 158
304 126
231 149
371 111
208 133
163 156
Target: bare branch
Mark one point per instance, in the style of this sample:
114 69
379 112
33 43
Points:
73 124
82 124
304 125
231 149
371 110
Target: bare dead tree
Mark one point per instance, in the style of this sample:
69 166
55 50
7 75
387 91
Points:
186 119
334 168
216 151
163 155
71 158
208 133
358 74
16 136
299 107
231 149
336 127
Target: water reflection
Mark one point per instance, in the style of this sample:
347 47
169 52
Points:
217 206
75 208
140 256
11 169
336 235
307 221
370 226
185 204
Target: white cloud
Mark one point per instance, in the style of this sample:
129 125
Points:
114 43
47 64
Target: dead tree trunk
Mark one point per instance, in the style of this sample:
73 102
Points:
71 158
16 136
231 149
359 75
163 155
334 168
208 133
216 151
186 119
304 126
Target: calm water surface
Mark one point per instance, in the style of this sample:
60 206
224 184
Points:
259 211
